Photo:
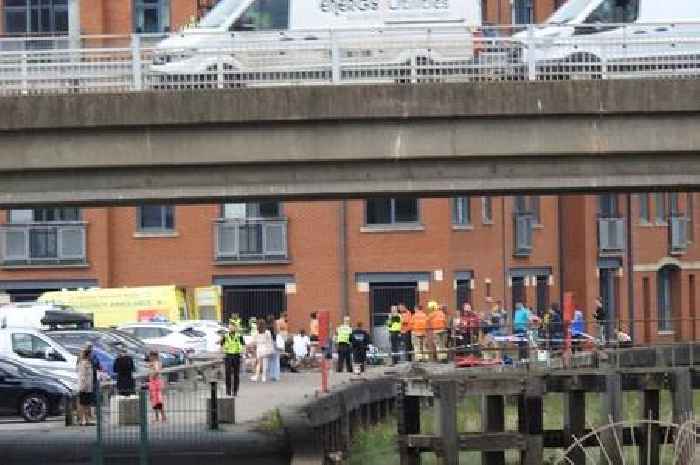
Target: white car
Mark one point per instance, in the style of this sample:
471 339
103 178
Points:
183 337
212 329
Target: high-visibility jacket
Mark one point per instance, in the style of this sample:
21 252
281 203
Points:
343 333
405 322
419 322
438 320
394 323
232 344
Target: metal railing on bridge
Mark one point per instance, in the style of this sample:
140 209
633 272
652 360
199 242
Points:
392 56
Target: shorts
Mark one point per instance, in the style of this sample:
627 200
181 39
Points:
86 399
313 338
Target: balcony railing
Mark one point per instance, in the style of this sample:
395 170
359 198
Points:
43 244
678 234
522 233
251 240
611 235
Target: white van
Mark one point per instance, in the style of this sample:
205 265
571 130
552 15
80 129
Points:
37 350
40 315
286 35
616 36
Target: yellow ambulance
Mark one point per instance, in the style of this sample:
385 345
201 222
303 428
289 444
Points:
115 306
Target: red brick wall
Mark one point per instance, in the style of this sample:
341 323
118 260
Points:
92 17
181 12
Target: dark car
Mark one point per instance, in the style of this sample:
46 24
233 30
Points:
32 394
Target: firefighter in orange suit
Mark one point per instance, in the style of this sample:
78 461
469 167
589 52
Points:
419 324
438 327
406 324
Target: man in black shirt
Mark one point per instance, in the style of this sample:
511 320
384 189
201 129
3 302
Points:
359 340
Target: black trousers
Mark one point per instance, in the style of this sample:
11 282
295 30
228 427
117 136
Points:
359 356
232 363
344 357
395 338
408 346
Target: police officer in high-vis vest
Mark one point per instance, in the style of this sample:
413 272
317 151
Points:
233 345
342 342
394 324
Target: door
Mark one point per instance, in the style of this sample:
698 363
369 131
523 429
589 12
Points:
382 297
518 291
11 389
254 301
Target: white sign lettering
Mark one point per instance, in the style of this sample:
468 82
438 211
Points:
359 6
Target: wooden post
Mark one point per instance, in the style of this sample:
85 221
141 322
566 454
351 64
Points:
493 421
682 394
530 422
575 423
408 422
446 423
649 452
611 406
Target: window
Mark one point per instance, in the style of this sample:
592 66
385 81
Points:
241 211
486 210
523 12
29 346
690 207
461 211
264 15
391 211
156 218
614 12
36 16
44 215
607 206
524 204
644 208
673 204
664 299
660 207
151 16
147 333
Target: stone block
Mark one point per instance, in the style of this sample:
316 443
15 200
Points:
226 409
128 408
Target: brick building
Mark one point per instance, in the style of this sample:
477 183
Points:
345 256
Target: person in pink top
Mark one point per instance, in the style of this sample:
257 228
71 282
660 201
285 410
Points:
155 386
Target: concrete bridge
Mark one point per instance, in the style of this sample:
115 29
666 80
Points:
354 141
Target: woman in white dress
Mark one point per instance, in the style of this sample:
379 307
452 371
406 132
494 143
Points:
263 351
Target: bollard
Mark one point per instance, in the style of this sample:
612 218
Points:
214 408
68 410
143 421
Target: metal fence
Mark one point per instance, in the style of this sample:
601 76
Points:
392 56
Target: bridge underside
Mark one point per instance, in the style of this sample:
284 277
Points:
414 140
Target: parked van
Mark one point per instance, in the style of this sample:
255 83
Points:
295 35
33 348
41 315
116 306
598 36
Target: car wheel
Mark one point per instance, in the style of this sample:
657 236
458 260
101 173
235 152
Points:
34 408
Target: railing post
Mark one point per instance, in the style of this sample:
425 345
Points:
214 408
98 457
25 74
136 65
68 410
219 73
531 58
335 60
143 425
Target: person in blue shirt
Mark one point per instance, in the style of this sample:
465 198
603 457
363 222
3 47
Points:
521 321
577 329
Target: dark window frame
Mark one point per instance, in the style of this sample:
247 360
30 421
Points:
486 210
660 208
392 212
45 210
644 208
163 12
37 10
461 211
163 220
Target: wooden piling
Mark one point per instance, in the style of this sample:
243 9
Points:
575 423
446 423
531 422
493 421
408 422
649 453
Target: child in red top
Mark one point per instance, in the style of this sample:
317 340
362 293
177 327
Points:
155 387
